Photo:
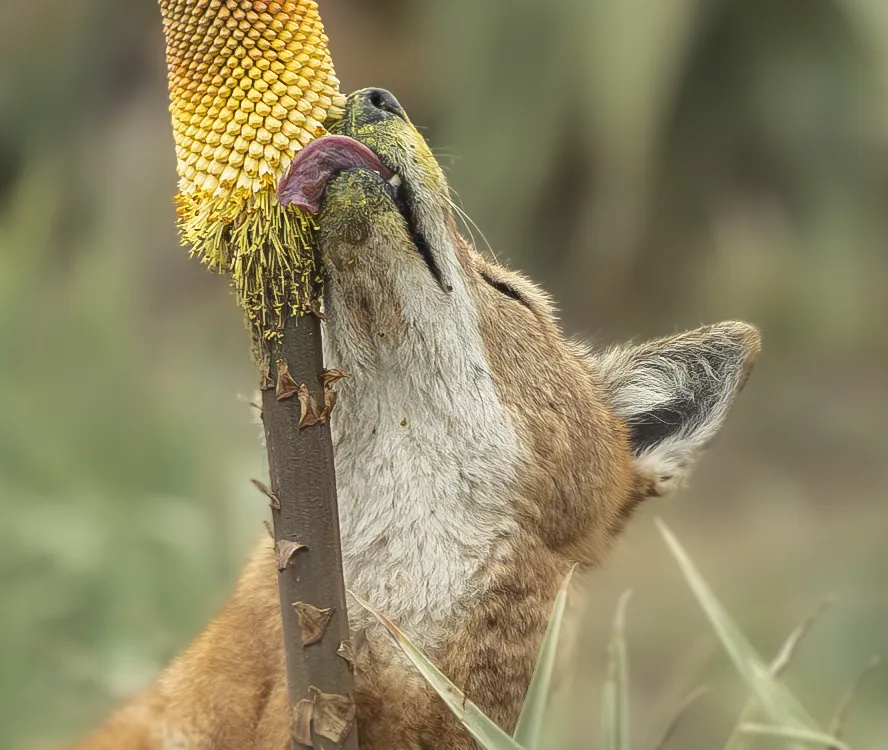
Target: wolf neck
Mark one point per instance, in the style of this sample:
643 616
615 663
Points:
425 458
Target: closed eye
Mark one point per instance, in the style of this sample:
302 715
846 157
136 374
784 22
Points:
505 289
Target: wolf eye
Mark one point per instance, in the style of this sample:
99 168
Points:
504 288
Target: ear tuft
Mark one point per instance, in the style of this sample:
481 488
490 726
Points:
674 394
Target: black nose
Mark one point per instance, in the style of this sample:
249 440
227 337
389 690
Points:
381 100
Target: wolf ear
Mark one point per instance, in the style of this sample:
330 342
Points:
674 394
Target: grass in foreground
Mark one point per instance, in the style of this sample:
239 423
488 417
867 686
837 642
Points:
772 710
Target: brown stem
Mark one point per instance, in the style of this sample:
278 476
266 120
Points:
300 462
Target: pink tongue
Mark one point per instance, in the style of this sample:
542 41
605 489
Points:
316 164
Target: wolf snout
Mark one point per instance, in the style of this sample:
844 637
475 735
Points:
371 105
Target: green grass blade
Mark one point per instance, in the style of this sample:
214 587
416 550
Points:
776 701
615 695
485 732
621 654
530 723
609 714
801 735
737 739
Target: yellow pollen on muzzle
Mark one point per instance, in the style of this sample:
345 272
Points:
250 84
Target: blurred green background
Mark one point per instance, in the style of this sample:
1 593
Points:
655 164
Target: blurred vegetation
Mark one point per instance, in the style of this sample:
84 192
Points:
545 719
654 163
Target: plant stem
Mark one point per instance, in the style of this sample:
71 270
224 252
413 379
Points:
300 462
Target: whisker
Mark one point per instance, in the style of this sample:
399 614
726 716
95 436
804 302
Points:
450 157
462 220
464 217
468 220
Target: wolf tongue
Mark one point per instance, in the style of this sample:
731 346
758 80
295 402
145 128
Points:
320 161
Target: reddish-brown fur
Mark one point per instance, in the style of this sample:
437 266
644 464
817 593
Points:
569 497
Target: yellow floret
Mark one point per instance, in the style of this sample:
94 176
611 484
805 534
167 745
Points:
251 83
